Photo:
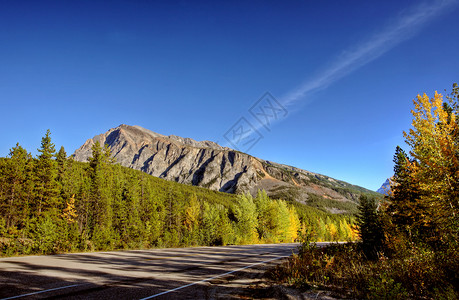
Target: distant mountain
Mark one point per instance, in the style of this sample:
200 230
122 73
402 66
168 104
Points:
210 165
385 187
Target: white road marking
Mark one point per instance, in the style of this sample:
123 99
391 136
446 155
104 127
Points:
166 292
44 291
217 276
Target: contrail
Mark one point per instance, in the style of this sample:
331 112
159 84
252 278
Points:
405 26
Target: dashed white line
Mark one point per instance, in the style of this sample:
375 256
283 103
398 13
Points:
217 276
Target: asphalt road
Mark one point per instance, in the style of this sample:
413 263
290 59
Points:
179 273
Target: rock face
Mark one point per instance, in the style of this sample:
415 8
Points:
209 165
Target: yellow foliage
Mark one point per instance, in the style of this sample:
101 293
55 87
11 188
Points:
294 224
332 230
69 213
192 213
434 148
354 233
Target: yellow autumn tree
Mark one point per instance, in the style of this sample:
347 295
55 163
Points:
353 232
435 165
69 214
245 212
294 224
332 231
192 213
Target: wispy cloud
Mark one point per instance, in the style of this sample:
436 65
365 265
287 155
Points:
405 26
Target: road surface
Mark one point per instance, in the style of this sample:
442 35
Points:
179 273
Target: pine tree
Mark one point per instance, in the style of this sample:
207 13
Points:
404 206
14 187
100 213
370 227
62 177
61 157
45 172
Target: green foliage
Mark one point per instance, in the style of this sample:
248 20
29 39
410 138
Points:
45 173
52 204
45 233
370 227
326 204
13 179
246 216
287 193
277 222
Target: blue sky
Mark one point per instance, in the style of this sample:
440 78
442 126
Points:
346 73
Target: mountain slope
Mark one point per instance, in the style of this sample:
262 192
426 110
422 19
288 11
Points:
209 165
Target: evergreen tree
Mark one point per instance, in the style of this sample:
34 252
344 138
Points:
62 177
61 157
404 206
370 227
45 172
14 186
100 214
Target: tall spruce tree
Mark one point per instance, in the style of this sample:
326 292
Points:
45 172
406 210
61 158
15 185
100 206
370 227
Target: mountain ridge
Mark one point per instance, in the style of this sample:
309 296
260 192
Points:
209 165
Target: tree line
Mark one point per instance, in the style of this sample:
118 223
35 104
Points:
51 203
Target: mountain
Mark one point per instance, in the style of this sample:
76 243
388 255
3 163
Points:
210 165
385 187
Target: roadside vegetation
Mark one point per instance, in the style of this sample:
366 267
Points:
409 242
53 204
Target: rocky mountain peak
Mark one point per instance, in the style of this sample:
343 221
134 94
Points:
209 165
385 187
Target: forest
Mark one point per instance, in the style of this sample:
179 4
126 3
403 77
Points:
53 204
409 241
